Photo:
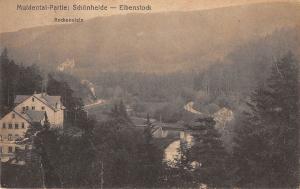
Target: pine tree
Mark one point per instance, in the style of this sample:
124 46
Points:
181 172
122 110
119 116
208 151
149 157
266 149
16 79
8 76
75 113
148 131
45 141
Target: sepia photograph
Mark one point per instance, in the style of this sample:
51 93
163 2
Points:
127 94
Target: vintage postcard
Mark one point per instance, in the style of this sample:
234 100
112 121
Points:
149 93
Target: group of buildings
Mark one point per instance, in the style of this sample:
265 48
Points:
28 110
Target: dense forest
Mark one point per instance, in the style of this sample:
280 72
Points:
113 153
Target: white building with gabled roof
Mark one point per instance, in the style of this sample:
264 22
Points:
28 109
52 105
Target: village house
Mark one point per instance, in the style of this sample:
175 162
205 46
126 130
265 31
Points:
29 109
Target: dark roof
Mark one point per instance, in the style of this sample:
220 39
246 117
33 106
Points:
22 116
141 121
20 98
35 116
50 101
170 126
138 121
30 115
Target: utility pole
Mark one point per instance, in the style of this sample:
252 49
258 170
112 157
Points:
8 96
42 173
101 175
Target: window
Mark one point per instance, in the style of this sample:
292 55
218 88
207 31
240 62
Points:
16 136
10 137
23 108
0 137
3 125
16 126
33 108
32 99
10 149
10 126
13 116
27 108
43 107
23 125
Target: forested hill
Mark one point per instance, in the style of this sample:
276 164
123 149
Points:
158 42
249 64
16 79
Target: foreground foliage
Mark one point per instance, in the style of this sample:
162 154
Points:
267 147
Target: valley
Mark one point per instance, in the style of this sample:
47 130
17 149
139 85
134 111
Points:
185 99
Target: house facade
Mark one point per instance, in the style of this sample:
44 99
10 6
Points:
42 102
29 109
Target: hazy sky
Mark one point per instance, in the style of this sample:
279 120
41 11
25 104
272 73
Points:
12 20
